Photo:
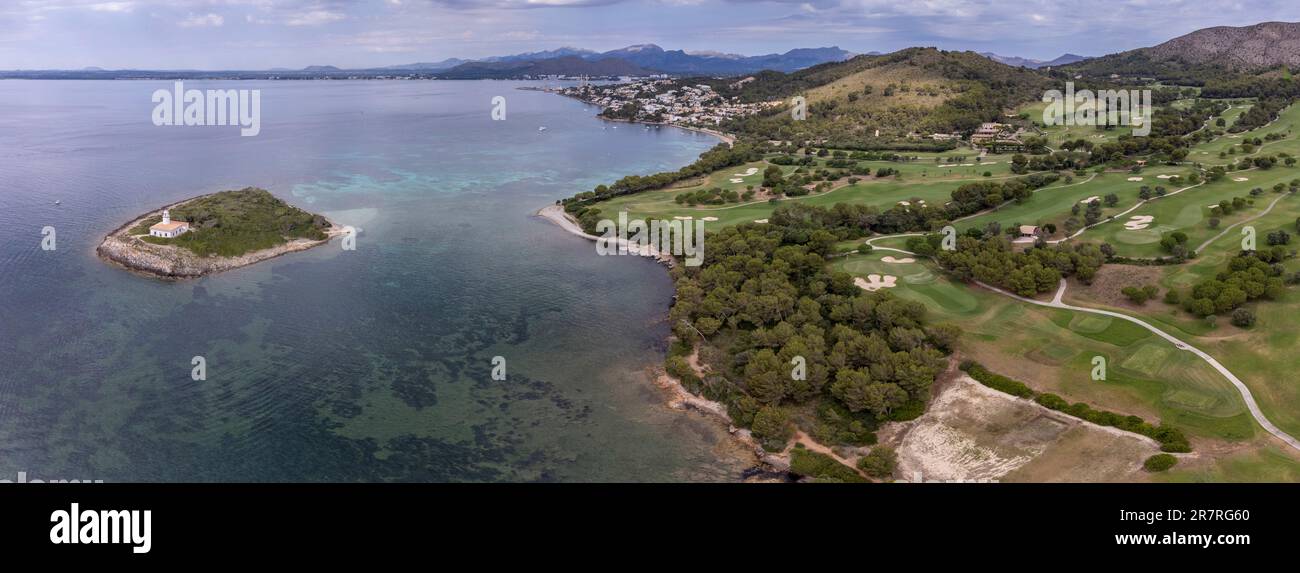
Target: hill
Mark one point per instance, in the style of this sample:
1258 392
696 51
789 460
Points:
913 90
1204 54
1246 48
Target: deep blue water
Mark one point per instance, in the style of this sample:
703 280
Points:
333 365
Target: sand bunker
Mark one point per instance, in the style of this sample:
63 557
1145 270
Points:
1240 179
760 220
747 173
905 203
736 180
949 165
1090 199
1139 222
687 218
889 259
968 165
1164 176
1134 178
874 283
710 219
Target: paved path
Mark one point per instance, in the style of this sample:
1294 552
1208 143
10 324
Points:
1229 227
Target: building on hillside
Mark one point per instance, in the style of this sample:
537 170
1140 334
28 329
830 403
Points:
1029 232
988 132
169 229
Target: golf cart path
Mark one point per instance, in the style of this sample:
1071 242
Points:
1230 227
1056 302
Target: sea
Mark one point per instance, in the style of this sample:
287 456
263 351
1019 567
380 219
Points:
335 365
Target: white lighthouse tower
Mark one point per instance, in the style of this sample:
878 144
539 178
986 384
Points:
167 229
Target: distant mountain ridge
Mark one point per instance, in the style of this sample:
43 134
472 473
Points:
563 66
1032 63
652 58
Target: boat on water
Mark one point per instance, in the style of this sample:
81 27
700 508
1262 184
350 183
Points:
542 128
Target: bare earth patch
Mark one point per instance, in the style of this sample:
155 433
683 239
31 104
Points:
1107 286
974 433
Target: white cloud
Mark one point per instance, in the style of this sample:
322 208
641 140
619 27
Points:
112 6
203 21
315 18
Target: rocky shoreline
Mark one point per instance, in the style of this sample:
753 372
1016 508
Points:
174 263
768 466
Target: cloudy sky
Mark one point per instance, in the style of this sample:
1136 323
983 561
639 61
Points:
260 34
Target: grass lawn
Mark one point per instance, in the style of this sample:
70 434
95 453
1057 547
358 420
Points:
1052 350
921 180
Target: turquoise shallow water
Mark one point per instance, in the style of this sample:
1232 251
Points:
332 365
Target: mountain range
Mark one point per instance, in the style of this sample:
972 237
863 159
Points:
646 57
1032 63
562 66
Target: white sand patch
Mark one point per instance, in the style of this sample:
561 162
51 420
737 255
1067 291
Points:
1090 199
736 180
904 203
990 162
760 220
710 219
1134 178
1240 179
747 173
1214 206
1139 222
889 259
968 165
1164 176
949 165
686 218
874 283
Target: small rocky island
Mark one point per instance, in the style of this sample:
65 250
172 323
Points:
214 233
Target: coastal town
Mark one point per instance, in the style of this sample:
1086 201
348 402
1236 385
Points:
658 100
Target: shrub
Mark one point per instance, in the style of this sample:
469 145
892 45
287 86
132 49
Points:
1052 401
1243 317
999 382
1159 463
879 462
822 467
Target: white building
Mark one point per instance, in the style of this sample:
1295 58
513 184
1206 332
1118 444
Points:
169 229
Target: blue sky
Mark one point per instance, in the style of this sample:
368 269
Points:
259 34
